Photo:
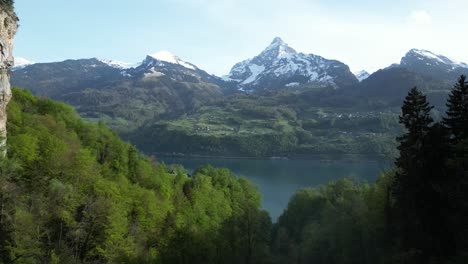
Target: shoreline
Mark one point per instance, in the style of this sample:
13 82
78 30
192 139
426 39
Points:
321 157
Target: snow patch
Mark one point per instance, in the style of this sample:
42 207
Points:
428 54
292 84
255 71
153 73
21 63
313 76
361 75
125 74
167 56
439 58
118 64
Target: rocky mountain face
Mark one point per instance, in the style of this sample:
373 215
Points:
280 66
430 64
124 95
8 28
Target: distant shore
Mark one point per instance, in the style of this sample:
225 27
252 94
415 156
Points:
322 157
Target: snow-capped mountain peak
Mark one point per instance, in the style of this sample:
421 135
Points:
21 62
167 56
278 41
425 55
431 64
279 66
361 75
277 49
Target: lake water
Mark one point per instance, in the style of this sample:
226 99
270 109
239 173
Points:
278 180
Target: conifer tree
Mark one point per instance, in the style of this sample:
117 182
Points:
409 188
415 117
457 110
456 123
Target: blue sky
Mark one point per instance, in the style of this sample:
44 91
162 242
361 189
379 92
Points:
215 34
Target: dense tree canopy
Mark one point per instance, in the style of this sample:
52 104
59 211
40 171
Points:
73 191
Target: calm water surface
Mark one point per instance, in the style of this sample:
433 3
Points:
278 180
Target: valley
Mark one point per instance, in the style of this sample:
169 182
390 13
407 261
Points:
288 157
279 103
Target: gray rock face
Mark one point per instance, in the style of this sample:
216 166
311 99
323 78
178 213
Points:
280 66
8 28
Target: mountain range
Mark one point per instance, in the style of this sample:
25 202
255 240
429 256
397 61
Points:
164 91
278 66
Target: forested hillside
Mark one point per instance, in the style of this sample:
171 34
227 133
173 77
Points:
72 191
281 124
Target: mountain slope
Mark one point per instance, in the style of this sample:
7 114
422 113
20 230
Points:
280 66
390 86
123 96
433 65
165 104
59 78
432 73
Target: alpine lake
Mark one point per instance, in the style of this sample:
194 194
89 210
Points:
279 179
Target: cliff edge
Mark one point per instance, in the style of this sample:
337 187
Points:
8 28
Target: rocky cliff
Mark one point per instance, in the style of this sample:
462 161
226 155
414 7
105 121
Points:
8 27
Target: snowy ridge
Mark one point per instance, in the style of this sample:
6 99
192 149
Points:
167 56
362 75
118 64
279 63
436 58
278 49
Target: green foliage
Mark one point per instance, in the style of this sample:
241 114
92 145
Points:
341 222
265 126
73 192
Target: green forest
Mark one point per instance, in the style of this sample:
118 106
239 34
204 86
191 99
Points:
281 124
73 192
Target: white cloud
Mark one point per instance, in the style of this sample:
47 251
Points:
420 17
